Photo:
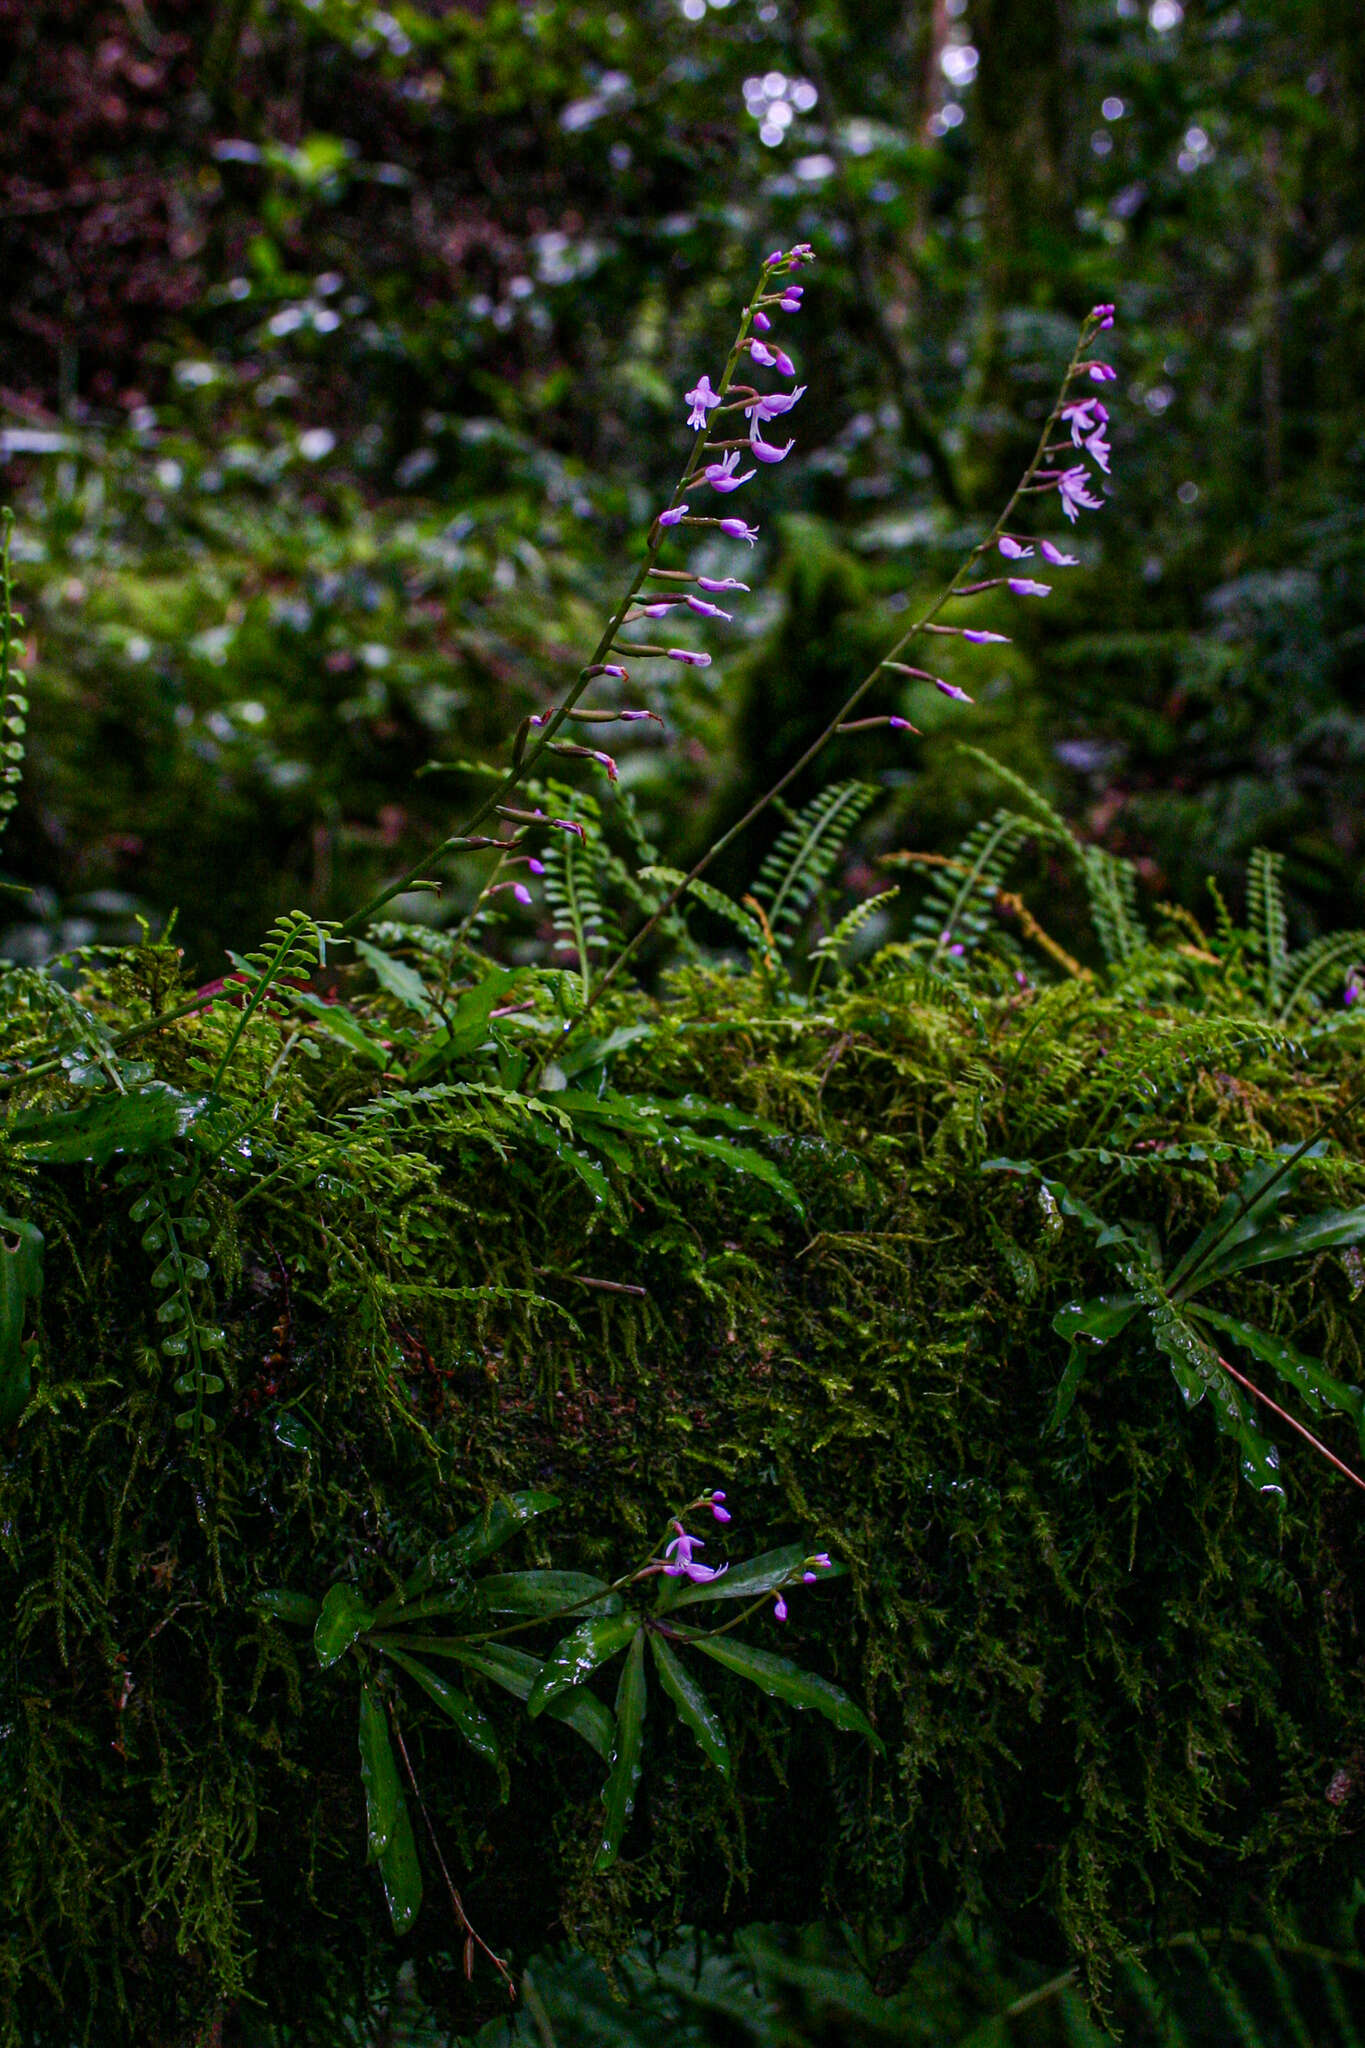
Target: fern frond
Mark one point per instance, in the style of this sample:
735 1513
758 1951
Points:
1267 920
1111 888
716 901
294 945
1314 966
850 924
13 701
959 904
806 852
573 885
1049 822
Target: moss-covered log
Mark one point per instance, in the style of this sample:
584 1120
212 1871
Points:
1117 1685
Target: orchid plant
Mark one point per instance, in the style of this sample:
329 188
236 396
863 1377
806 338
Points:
393 1637
1072 448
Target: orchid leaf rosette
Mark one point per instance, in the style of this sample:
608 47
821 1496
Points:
663 1637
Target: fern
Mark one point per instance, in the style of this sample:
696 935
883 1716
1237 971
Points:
716 901
294 945
846 931
573 886
1111 889
1268 921
1314 966
806 852
958 907
13 701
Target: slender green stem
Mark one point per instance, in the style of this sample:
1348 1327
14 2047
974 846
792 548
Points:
522 767
919 626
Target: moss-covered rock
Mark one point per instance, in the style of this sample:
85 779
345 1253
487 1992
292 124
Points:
780 1249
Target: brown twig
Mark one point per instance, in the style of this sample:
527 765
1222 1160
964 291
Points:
1276 1409
472 1938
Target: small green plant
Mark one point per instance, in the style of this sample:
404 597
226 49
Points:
393 1636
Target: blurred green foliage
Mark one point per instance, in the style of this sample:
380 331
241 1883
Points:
344 347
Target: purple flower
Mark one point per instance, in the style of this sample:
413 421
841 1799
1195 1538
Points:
779 1609
612 668
764 450
981 638
570 825
900 725
790 302
951 690
1054 555
672 517
1104 314
762 322
689 655
720 583
1024 586
776 257
1013 550
707 611
721 1514
772 404
658 609
761 353
1084 416
1351 992
683 1565
1074 487
784 362
1096 445
701 398
721 475
794 291
1101 373
737 530
822 1561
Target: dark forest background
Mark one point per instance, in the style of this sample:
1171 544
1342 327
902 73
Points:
341 352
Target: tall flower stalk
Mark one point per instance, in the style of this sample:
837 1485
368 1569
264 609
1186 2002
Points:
1057 464
539 736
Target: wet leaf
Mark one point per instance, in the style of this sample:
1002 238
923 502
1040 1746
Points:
578 1656
378 1772
139 1121
400 1871
478 1539
547 1593
694 1709
516 1671
623 1777
21 1281
301 1609
343 1617
783 1680
747 1581
457 1706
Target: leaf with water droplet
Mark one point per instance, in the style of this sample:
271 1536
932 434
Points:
578 1655
378 1772
623 1777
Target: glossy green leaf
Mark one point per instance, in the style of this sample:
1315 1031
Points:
397 979
342 1618
139 1121
578 1656
487 1532
470 1023
400 1871
1096 1321
694 1709
378 1771
1308 1376
516 1671
301 1609
623 1776
547 1593
1315 1234
1087 1325
21 1282
786 1681
1241 1214
1198 1373
457 1706
747 1581
337 1022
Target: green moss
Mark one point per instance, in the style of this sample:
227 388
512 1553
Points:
1113 1681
